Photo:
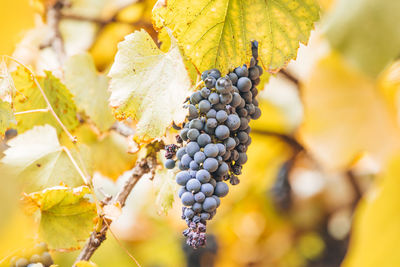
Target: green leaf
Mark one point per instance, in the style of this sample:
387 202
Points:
217 34
366 32
148 85
67 215
90 89
38 161
6 116
28 97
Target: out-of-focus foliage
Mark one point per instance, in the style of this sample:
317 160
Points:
345 115
19 17
6 116
376 234
365 32
218 34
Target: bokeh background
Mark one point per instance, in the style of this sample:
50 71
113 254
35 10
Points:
321 187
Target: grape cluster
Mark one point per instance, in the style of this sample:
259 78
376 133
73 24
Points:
34 257
215 138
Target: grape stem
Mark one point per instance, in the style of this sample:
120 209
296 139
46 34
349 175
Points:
49 107
143 166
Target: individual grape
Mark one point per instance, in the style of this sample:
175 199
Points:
35 258
204 74
221 149
211 150
227 155
250 108
260 70
169 164
254 73
205 92
207 189
248 141
210 82
256 81
193 112
255 102
234 155
212 123
223 169
182 178
244 84
199 197
221 116
193 165
196 219
235 89
215 73
242 103
192 148
230 143
233 77
217 200
183 134
233 122
203 140
181 167
40 248
223 85
196 124
254 92
195 98
213 182
193 134
197 207
242 112
243 137
181 191
225 98
222 132
221 189
213 98
241 148
181 151
242 158
186 159
244 123
211 113
46 259
236 140
199 157
241 72
187 199
256 114
210 164
21 262
193 185
204 106
248 97
234 180
236 98
219 158
189 213
209 130
204 216
209 204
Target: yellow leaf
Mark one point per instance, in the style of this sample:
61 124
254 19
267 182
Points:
85 264
345 115
90 89
28 97
217 34
376 227
6 116
66 215
148 85
38 161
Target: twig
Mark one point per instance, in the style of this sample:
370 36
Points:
32 111
290 77
290 140
71 137
53 20
142 167
355 186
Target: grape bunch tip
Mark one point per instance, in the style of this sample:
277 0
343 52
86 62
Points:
213 142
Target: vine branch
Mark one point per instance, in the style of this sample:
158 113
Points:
142 167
